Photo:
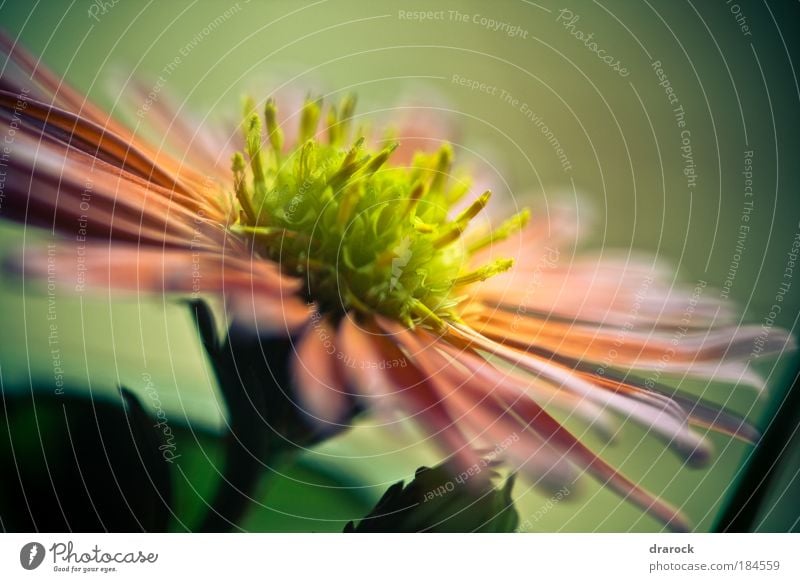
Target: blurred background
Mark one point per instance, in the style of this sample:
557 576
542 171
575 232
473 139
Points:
531 107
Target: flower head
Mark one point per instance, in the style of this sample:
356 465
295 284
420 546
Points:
390 293
365 236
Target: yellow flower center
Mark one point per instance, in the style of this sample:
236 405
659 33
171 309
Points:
365 235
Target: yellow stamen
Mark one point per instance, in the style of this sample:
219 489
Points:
274 132
239 186
509 227
485 272
309 119
474 209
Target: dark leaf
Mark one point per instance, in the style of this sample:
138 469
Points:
444 500
73 464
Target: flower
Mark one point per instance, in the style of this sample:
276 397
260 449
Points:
388 290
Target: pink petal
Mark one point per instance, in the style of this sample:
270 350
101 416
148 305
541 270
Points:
406 386
317 377
662 417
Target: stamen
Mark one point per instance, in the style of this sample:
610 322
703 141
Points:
306 161
348 204
459 225
458 191
485 272
267 234
256 160
248 107
474 209
239 186
453 234
334 131
349 166
309 119
417 192
422 311
346 110
380 159
423 227
509 227
352 226
444 161
274 132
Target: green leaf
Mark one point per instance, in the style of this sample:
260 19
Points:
443 499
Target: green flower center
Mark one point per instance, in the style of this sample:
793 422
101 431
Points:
363 234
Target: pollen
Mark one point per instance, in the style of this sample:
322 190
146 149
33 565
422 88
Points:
363 234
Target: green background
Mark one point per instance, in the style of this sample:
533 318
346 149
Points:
739 92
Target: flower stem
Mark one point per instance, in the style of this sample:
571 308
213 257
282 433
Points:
763 465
